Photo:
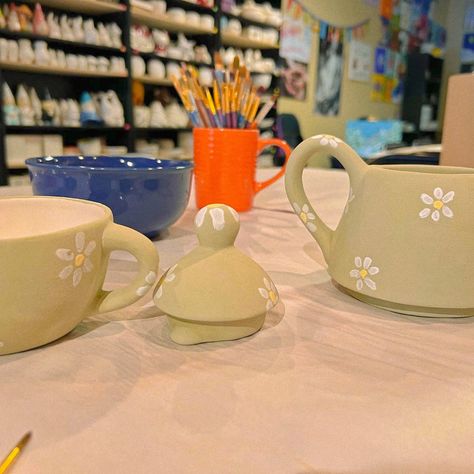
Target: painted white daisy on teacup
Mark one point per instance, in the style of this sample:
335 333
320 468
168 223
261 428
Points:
437 205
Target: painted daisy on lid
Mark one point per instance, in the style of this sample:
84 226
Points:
215 292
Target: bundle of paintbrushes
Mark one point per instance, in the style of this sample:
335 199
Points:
232 103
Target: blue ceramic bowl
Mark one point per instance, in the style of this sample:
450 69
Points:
145 194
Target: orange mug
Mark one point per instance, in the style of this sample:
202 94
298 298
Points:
225 162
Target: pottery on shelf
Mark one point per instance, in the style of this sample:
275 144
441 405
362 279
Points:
40 25
138 66
3 21
26 54
405 239
162 41
156 68
90 33
111 109
215 292
88 110
13 22
77 29
48 108
115 34
11 112
186 46
53 25
66 29
41 53
103 35
27 115
73 114
12 47
158 117
36 106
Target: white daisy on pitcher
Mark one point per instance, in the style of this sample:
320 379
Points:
149 280
363 271
305 215
269 293
437 205
328 140
166 278
79 261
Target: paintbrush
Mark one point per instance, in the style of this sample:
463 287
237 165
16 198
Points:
14 453
264 111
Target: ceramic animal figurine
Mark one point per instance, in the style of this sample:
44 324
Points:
77 29
202 55
10 110
25 16
103 35
25 51
13 22
186 47
27 115
158 116
36 106
53 25
41 53
162 41
115 34
88 110
90 33
40 25
73 113
405 240
111 109
66 29
216 292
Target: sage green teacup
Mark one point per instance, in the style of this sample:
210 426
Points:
54 255
405 241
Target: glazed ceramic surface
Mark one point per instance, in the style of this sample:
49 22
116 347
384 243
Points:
215 292
54 254
145 194
405 241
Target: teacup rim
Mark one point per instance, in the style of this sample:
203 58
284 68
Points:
107 217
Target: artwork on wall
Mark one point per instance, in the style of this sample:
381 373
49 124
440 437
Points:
330 70
360 61
294 79
295 39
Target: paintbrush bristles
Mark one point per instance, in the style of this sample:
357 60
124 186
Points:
230 102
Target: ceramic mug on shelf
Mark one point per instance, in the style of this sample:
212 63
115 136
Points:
405 241
225 162
54 253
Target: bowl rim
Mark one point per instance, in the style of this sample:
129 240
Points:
172 165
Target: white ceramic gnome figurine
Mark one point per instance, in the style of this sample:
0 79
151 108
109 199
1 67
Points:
27 115
36 106
103 35
10 110
66 30
115 34
90 33
77 29
53 26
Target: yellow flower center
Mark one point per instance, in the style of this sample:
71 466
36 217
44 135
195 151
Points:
273 297
438 204
79 260
363 273
304 217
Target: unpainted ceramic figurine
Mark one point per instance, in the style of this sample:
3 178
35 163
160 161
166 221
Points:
41 53
53 26
77 29
187 47
103 35
88 110
27 115
115 34
162 41
36 106
40 25
13 21
73 113
11 112
25 16
66 29
216 292
26 54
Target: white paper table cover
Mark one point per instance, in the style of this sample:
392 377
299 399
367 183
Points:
330 385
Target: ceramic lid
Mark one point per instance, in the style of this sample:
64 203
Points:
215 281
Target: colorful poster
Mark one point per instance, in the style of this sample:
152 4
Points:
360 61
295 40
294 79
378 87
386 9
330 70
379 62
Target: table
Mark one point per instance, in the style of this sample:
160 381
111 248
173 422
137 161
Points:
329 385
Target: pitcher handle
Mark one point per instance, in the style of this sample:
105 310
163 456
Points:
351 161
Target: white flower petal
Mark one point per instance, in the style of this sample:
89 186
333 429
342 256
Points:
425 213
358 262
354 273
142 290
269 305
77 276
338 140
80 241
333 143
311 227
88 265
296 208
310 216
263 292
170 277
359 284
65 254
324 141
173 268
158 292
65 272
90 248
150 278
438 193
370 283
267 283
218 218
373 270
426 199
199 219
234 213
367 262
448 197
435 216
447 211
305 208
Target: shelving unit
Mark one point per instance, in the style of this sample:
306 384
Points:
60 82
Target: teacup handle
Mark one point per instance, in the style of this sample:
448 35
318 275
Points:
264 143
118 237
299 158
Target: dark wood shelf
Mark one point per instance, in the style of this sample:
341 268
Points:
25 129
167 59
249 22
60 42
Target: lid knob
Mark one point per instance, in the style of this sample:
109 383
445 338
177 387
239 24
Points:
217 225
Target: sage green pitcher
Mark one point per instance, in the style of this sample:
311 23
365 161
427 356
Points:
405 241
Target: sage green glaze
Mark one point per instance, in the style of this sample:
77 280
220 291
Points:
405 241
215 292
